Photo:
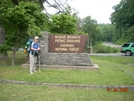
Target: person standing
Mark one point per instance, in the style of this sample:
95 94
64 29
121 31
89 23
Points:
34 51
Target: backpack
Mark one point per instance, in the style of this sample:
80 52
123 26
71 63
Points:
28 45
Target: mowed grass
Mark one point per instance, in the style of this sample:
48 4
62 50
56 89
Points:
109 73
11 92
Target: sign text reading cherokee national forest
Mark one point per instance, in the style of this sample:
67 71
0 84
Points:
67 43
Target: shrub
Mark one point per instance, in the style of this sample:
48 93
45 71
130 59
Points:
99 48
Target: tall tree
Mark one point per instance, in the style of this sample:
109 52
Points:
57 4
3 53
123 18
107 32
63 23
20 21
90 26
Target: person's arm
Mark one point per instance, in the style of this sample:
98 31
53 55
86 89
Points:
34 48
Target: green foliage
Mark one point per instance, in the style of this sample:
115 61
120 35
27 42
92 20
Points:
90 26
122 40
107 32
63 23
20 21
123 18
80 32
99 48
25 15
131 33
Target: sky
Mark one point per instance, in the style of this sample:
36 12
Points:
99 10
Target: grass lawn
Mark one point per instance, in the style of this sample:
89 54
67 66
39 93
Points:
109 73
11 92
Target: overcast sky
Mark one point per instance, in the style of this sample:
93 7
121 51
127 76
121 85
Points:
99 10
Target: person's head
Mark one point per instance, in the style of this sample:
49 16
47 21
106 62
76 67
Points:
36 38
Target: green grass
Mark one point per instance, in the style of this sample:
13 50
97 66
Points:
11 92
19 59
109 72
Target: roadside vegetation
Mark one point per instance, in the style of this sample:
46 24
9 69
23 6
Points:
99 48
121 41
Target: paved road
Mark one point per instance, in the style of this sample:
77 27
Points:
110 54
111 45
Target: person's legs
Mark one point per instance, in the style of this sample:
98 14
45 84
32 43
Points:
35 60
31 63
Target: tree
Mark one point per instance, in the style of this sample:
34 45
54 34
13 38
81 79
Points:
56 4
63 23
79 26
90 26
107 32
123 18
3 54
20 21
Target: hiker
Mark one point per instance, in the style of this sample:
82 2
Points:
34 52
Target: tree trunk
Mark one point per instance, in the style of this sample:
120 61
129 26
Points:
2 39
13 55
15 48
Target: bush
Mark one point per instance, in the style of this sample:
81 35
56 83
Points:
99 48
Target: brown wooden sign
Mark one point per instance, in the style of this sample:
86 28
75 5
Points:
67 43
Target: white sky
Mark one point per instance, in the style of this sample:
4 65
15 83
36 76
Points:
99 10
